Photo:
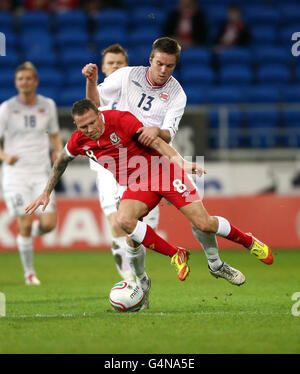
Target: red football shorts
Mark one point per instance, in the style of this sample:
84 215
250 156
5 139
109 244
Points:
171 182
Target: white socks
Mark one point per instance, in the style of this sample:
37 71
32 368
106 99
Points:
25 248
224 227
136 259
209 244
35 228
118 250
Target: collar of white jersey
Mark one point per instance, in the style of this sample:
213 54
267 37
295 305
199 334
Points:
152 84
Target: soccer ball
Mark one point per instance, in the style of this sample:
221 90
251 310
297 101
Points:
126 296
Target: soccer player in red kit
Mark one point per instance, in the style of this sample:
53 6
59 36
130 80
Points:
111 138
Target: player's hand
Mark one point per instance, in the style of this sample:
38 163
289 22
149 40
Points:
195 169
90 71
11 159
43 199
147 135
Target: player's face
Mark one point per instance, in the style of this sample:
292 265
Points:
113 62
90 123
162 66
26 82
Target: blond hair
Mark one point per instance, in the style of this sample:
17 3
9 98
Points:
27 65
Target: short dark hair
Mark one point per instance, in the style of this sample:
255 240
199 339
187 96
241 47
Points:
115 48
166 45
82 106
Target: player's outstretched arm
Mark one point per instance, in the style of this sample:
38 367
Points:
168 151
90 71
57 171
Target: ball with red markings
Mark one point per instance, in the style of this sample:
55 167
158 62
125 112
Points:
126 296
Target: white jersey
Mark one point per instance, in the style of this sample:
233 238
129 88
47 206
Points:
160 106
25 130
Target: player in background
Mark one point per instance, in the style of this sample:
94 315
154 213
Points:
156 98
110 192
102 136
27 122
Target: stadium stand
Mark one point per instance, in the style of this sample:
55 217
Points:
263 72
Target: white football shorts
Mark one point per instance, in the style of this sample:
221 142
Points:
20 191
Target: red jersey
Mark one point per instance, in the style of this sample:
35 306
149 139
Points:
116 150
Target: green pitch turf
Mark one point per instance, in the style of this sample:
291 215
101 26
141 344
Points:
70 312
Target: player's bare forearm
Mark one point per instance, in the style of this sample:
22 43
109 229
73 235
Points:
169 152
57 171
148 134
92 92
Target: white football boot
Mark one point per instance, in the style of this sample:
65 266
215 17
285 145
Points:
32 280
229 273
145 284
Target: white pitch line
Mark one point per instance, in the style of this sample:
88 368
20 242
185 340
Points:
69 315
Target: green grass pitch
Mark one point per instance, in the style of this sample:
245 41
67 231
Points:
70 311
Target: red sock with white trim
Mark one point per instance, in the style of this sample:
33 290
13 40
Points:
230 232
144 234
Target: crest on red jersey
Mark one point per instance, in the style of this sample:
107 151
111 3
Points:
114 138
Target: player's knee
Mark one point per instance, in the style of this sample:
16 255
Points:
203 224
126 223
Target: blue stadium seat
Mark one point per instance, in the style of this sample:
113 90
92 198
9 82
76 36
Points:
69 95
290 93
72 35
11 59
291 120
70 18
263 35
147 16
262 94
273 73
74 77
51 77
290 13
41 57
236 74
105 37
224 95
143 36
197 75
139 56
271 54
236 136
261 14
6 21
34 19
11 40
112 16
195 56
234 55
75 57
7 93
31 39
47 91
263 128
195 94
285 33
7 76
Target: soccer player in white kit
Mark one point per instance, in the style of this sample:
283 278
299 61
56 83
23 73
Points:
157 99
27 122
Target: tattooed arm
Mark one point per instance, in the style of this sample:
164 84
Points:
57 171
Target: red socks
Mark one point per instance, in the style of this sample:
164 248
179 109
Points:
240 237
157 243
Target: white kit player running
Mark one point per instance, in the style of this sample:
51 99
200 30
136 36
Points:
27 121
157 99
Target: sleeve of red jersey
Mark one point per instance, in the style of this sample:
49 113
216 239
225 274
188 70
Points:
129 123
73 145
